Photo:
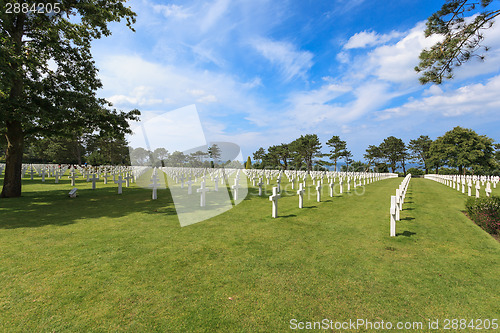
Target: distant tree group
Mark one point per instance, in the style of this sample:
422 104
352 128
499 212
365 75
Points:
301 153
459 150
91 149
160 157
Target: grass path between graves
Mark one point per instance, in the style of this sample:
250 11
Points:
105 262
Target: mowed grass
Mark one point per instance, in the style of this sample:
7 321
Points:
106 262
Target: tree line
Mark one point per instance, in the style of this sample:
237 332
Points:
161 157
459 150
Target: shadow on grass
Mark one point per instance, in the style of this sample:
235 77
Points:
408 218
54 207
287 216
406 233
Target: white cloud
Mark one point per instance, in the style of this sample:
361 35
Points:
140 95
470 99
292 62
370 38
396 63
172 10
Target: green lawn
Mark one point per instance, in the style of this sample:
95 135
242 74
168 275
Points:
106 262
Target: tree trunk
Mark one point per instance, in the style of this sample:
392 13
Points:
14 160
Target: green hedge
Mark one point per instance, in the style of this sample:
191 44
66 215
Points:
485 212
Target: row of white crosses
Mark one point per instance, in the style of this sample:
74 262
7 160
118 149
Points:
460 181
190 176
43 170
397 203
317 178
75 172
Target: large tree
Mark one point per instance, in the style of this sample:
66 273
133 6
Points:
463 148
107 150
393 150
307 147
338 149
259 155
420 148
437 154
461 24
284 154
215 154
373 154
38 98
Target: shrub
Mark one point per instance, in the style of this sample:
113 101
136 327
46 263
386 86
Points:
416 172
485 212
448 171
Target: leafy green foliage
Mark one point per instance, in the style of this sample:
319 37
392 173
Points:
259 154
214 152
248 164
485 212
338 149
420 150
462 148
416 172
307 147
38 100
355 166
462 38
391 151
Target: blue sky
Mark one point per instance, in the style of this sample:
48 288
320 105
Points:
265 72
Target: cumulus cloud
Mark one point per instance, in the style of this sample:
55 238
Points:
469 99
370 38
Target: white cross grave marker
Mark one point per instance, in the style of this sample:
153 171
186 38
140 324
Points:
119 182
202 190
274 198
330 185
235 188
300 192
94 179
393 213
189 183
260 183
488 189
73 176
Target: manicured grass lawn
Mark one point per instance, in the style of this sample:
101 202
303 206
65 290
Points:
104 262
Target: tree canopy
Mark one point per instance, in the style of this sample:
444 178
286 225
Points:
338 149
463 148
462 37
420 150
307 147
48 79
